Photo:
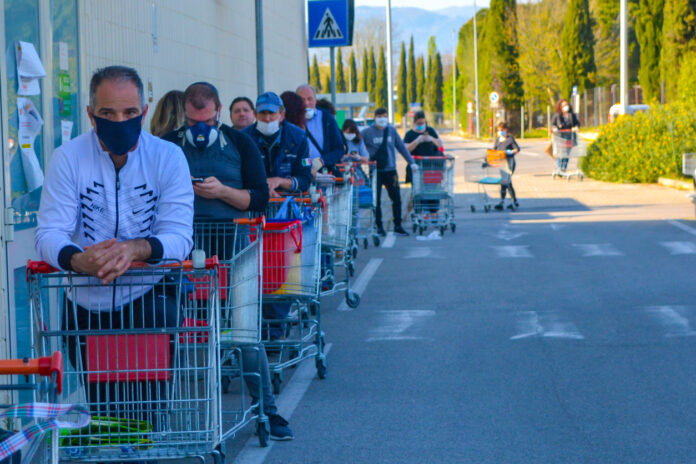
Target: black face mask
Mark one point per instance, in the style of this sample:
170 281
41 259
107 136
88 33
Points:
119 137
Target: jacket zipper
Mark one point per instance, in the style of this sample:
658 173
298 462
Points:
118 187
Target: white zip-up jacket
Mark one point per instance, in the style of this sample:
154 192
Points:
85 201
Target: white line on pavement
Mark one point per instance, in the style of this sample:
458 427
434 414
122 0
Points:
389 240
548 325
287 401
680 248
363 279
597 249
530 153
673 320
393 324
683 227
513 251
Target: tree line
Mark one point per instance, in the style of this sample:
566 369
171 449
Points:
418 80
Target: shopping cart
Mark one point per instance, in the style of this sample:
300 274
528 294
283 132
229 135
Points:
568 148
238 245
363 223
149 379
291 277
336 242
487 172
37 442
433 193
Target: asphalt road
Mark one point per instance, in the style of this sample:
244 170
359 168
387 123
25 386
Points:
547 335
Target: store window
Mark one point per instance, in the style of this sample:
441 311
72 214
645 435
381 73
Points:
22 24
65 74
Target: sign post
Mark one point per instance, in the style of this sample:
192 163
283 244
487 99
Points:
330 24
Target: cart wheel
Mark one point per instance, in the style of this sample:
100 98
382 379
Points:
365 243
352 299
453 227
376 240
276 383
473 209
321 368
219 454
263 433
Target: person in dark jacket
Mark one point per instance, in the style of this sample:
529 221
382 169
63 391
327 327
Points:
564 125
229 179
507 143
283 147
325 138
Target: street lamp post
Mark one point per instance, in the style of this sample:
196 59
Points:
454 83
623 30
476 91
390 84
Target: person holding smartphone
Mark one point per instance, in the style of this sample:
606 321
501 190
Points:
355 146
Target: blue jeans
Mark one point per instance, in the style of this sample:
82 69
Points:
255 361
562 159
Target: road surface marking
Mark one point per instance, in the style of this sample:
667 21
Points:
673 320
556 227
548 325
683 227
421 252
287 402
394 324
513 251
680 248
530 153
597 249
389 240
360 284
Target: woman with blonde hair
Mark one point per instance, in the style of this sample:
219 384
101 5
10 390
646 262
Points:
169 113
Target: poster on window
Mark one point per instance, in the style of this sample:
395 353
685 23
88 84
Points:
30 123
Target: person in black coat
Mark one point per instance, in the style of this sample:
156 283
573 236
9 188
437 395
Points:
507 143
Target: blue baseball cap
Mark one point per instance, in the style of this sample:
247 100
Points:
268 101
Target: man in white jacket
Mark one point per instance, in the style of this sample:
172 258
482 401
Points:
113 196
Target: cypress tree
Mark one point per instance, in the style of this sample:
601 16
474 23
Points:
678 37
340 76
577 48
420 80
372 76
353 79
498 64
649 34
437 82
381 94
365 75
402 106
326 88
412 79
314 76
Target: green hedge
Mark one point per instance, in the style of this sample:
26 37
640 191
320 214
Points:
643 147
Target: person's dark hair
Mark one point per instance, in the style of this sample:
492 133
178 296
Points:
326 105
420 114
503 125
115 74
200 93
294 108
350 126
169 113
380 111
559 106
242 99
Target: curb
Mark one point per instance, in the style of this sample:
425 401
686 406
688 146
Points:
676 184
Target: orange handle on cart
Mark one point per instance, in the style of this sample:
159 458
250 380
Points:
261 220
45 367
42 267
305 201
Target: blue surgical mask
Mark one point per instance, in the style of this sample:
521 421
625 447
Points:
420 128
501 133
119 137
201 135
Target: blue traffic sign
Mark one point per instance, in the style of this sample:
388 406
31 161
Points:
329 23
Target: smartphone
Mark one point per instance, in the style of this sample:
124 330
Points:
196 180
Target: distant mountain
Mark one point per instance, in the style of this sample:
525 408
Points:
421 23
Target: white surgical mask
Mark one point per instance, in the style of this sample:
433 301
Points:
309 113
381 121
501 133
268 128
566 108
349 136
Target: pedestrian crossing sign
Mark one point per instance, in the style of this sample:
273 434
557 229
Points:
330 23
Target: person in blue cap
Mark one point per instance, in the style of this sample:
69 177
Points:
283 147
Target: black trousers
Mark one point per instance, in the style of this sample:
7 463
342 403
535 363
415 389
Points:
133 399
390 180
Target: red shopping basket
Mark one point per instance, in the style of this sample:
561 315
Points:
127 358
432 177
282 240
203 284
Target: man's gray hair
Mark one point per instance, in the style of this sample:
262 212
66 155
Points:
306 86
115 74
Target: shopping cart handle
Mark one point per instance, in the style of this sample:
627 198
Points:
39 267
45 366
42 267
261 220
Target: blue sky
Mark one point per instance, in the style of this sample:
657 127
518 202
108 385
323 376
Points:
425 4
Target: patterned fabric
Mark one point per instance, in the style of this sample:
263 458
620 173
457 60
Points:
40 411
